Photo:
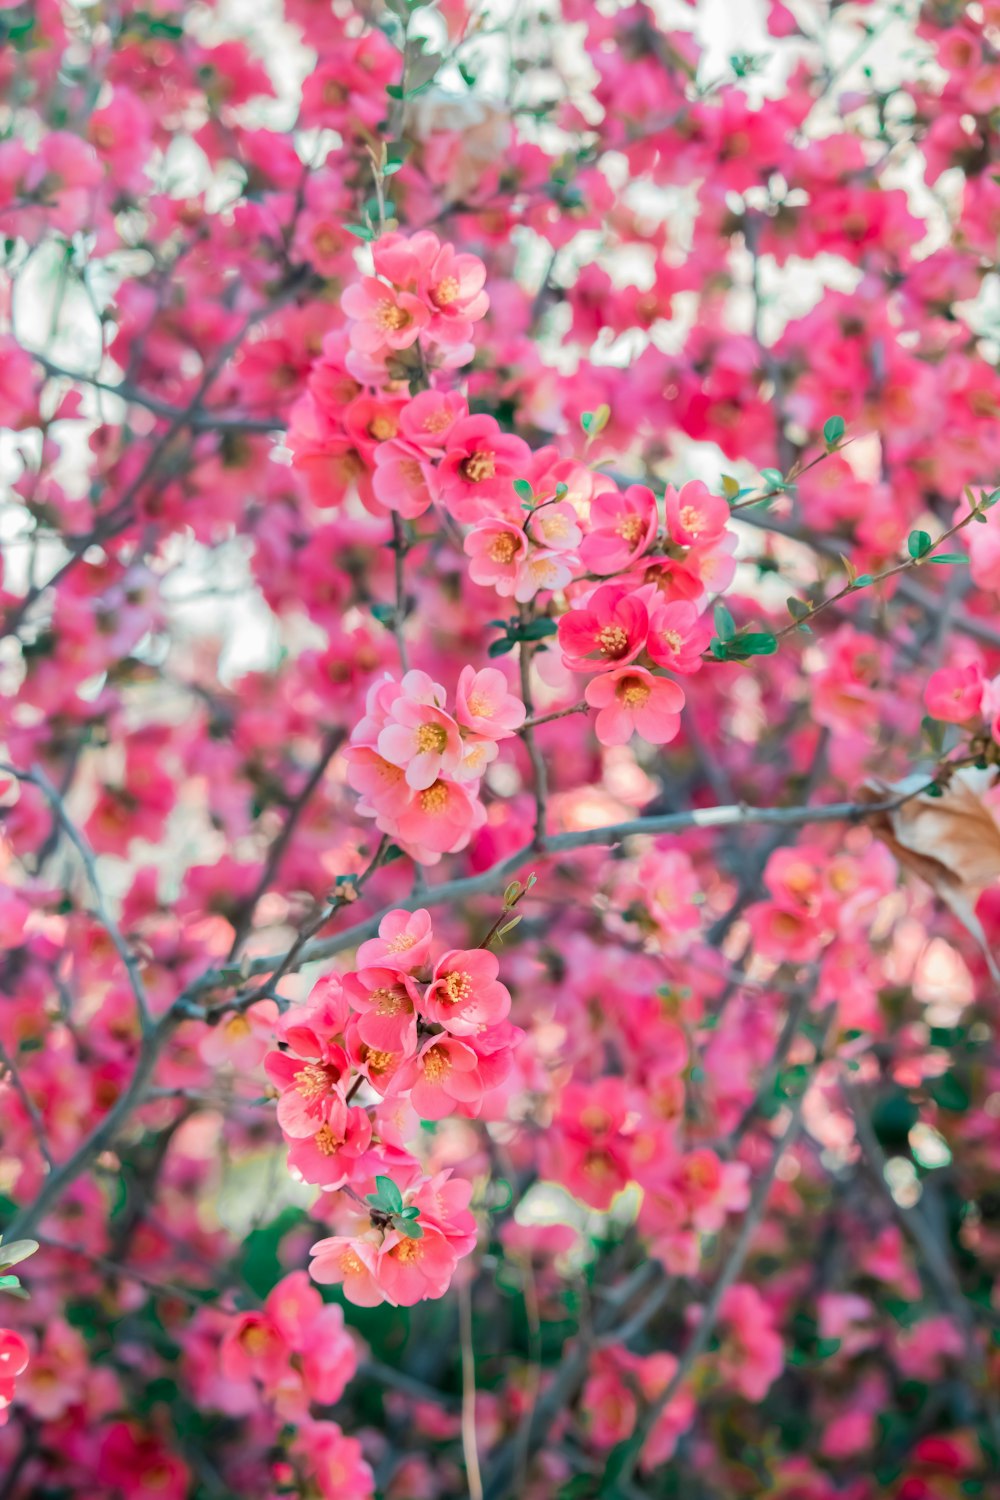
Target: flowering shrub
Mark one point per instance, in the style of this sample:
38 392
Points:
499 812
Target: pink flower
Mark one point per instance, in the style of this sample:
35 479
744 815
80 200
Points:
411 1270
402 480
678 635
480 462
334 1463
329 1156
694 514
439 819
429 417
383 317
465 996
497 550
541 570
752 1356
351 1263
422 739
386 1002
453 285
403 942
554 526
484 704
954 694
609 631
622 527
14 1357
445 1073
633 701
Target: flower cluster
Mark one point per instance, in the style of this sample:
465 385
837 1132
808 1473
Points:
424 1037
417 768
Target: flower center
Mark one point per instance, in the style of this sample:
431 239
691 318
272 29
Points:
633 692
480 707
325 1141
479 466
436 1064
378 1062
315 1080
503 547
382 428
407 1251
671 639
238 1026
431 737
390 317
435 799
446 291
350 1263
389 1002
690 519
401 944
457 986
437 421
612 639
629 528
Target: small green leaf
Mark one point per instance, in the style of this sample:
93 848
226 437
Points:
719 649
361 231
412 1212
756 643
394 91
949 557
501 647
536 630
16 1251
773 478
730 487
862 581
523 490
384 613
410 1228
833 430
724 623
594 422
389 1193
798 609
918 543
13 1288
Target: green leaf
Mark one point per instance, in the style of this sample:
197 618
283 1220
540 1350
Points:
798 609
13 1288
523 490
719 649
918 543
409 1227
389 1193
501 647
756 643
394 91
730 487
949 557
773 478
594 422
18 1250
949 1093
724 623
412 1212
361 231
833 430
862 581
537 630
384 613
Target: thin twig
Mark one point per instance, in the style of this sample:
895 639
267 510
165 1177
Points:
470 1445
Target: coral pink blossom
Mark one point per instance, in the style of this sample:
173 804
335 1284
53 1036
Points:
631 701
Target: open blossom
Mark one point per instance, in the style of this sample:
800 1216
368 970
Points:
464 995
610 630
954 694
621 527
403 942
475 477
386 1002
485 704
630 701
497 550
422 739
694 515
383 317
678 636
